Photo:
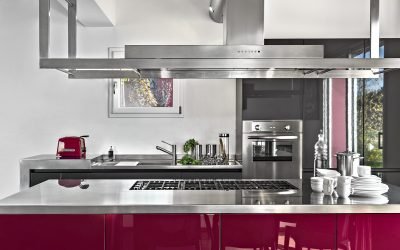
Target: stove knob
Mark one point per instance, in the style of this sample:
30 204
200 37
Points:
257 127
287 127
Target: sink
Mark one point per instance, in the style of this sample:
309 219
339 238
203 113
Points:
155 163
104 164
132 163
127 164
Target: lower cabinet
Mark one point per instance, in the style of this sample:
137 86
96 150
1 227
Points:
269 231
368 231
151 232
52 232
200 232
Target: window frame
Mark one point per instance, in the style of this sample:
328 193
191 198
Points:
351 113
115 110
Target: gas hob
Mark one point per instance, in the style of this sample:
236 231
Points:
256 185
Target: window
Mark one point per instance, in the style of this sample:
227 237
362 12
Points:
144 97
353 114
367 114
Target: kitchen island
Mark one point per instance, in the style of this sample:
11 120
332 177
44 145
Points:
106 214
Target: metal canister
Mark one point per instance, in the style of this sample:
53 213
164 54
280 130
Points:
347 162
211 150
224 147
198 152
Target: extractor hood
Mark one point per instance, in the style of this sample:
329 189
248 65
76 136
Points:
242 56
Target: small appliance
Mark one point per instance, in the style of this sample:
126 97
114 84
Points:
72 147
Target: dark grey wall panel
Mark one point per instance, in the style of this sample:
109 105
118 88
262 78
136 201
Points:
391 115
269 99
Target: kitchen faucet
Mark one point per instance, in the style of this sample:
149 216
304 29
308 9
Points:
171 153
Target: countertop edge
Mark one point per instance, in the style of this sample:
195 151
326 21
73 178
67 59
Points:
204 209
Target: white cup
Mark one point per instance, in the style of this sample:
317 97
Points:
364 171
329 185
317 184
317 187
317 179
342 180
344 189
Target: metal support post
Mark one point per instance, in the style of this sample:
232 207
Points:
374 28
72 28
44 28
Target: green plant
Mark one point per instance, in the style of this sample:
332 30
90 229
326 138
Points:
189 145
188 160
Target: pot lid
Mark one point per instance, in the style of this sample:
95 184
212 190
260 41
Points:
348 153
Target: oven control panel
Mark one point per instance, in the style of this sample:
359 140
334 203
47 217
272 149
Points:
276 126
273 127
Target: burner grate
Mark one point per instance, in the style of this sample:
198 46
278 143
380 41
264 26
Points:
270 185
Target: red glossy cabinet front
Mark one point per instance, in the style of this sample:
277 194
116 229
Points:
368 231
266 231
52 232
164 231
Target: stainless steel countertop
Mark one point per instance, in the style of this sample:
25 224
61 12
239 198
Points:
114 196
95 162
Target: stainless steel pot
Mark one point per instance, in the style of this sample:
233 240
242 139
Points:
347 162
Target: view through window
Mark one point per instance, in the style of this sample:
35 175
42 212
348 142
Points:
147 92
368 116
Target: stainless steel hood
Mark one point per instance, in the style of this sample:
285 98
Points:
243 25
223 51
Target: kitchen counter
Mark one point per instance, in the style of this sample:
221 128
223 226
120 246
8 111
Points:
47 163
114 196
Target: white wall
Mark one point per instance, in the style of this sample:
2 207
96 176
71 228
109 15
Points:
108 7
328 19
39 106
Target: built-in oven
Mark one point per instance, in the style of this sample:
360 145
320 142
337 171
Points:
272 149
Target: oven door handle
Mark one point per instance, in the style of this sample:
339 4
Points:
274 137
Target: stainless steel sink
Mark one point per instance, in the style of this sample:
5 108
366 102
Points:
104 164
141 163
154 163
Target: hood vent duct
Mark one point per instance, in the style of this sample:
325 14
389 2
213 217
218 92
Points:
216 10
243 22
244 54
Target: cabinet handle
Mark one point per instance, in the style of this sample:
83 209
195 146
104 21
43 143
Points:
380 140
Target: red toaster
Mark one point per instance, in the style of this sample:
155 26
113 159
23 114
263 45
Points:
72 147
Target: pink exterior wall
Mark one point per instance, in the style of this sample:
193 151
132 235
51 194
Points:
338 117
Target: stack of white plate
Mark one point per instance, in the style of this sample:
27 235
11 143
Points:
368 186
